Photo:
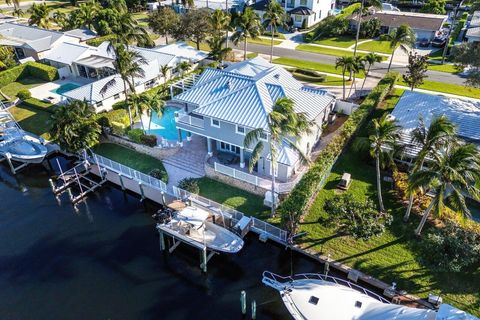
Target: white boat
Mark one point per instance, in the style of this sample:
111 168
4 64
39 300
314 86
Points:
320 297
192 224
17 144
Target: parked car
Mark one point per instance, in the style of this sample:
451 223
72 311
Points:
424 42
439 42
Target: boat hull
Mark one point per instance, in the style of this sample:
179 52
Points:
25 151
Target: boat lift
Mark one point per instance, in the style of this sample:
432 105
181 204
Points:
78 177
14 168
205 254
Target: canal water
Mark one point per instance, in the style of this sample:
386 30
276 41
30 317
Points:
103 261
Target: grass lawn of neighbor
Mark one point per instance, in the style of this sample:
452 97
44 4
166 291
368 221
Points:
340 41
376 46
32 120
302 64
329 81
243 201
447 67
13 88
262 41
394 256
328 51
456 89
131 158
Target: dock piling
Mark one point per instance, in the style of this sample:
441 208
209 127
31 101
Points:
254 310
204 260
140 185
120 176
243 302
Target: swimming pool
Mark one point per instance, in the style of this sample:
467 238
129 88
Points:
65 88
165 125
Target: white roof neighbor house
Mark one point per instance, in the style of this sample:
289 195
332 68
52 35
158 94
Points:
465 114
182 51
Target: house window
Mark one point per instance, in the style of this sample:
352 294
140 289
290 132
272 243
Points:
291 4
263 136
229 148
99 104
215 123
241 130
116 96
303 3
298 18
315 17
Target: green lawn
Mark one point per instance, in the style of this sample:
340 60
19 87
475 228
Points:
376 46
248 203
32 120
328 51
329 81
447 88
436 55
263 41
341 41
392 257
302 64
447 67
142 18
252 55
277 35
12 88
130 158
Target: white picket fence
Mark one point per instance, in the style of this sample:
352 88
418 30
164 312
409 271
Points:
129 172
259 226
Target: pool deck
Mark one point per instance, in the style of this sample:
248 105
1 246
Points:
44 91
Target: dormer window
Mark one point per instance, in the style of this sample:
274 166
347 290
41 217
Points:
277 76
313 300
358 304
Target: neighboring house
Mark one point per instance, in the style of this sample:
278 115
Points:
313 11
475 21
473 34
183 52
4 18
424 25
33 42
103 101
464 114
82 34
224 105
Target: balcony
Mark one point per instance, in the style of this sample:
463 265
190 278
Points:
190 120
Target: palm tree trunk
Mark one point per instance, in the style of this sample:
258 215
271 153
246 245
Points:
150 120
391 59
343 80
351 86
379 183
245 49
410 202
273 168
271 44
425 216
366 76
166 38
358 28
128 106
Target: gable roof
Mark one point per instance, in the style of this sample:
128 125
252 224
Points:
245 93
419 21
29 37
465 114
67 53
82 34
182 51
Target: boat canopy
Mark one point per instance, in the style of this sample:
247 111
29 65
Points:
193 215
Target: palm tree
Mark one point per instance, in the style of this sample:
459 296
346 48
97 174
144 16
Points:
348 64
247 25
184 66
189 4
86 14
217 51
452 176
16 3
150 104
382 144
74 126
283 124
273 18
403 36
128 65
440 132
127 30
164 71
370 59
219 20
18 12
360 12
357 66
40 15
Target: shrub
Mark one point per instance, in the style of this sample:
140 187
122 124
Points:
451 248
370 28
112 118
135 135
32 69
98 41
190 185
159 174
149 140
359 219
309 75
306 189
24 94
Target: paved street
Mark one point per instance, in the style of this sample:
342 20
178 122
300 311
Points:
379 68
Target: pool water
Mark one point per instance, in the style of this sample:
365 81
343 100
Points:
165 125
65 88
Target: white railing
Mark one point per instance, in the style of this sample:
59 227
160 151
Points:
129 172
193 121
259 226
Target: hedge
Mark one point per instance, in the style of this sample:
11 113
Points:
311 182
32 69
98 41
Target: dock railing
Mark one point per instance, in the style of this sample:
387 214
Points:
259 226
128 172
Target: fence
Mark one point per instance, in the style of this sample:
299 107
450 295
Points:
129 172
259 226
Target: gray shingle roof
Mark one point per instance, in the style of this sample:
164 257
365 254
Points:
465 114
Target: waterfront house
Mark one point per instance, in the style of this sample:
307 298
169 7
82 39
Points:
310 11
28 41
464 114
424 25
224 105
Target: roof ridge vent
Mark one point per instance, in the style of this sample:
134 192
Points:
277 76
229 84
